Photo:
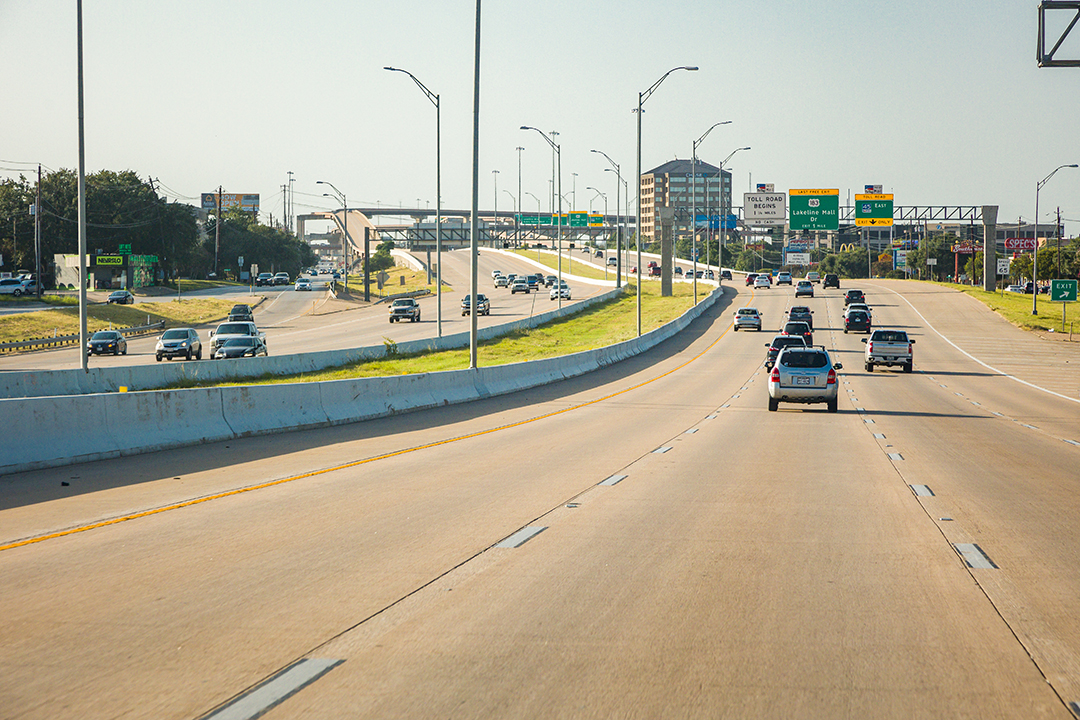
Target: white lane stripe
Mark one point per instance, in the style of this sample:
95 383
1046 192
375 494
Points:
521 537
988 367
275 690
1071 442
711 417
660 450
614 480
896 456
879 436
922 490
974 556
868 421
691 431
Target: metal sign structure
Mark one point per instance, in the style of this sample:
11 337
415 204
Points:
815 209
1047 59
873 210
764 208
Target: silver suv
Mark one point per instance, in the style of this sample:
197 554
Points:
803 375
179 342
747 317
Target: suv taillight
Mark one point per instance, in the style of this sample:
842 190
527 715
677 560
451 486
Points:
774 376
832 377
870 346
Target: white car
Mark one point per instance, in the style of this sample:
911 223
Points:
562 289
495 274
302 283
612 261
747 317
501 281
762 282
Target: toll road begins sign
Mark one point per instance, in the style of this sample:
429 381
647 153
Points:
764 208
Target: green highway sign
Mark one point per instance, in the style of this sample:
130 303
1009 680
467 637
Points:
532 220
873 210
1063 290
579 219
814 209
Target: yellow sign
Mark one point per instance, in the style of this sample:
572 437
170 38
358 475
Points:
873 222
109 260
814 192
861 198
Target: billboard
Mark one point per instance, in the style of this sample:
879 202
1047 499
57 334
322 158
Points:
248 202
798 258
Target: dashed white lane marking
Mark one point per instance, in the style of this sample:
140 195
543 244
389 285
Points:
974 556
614 480
275 690
868 421
1071 442
521 537
879 436
660 450
691 431
896 456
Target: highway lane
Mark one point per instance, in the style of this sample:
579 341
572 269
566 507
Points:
766 565
300 321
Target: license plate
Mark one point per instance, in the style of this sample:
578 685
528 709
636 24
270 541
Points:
803 380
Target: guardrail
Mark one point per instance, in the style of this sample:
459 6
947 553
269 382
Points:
61 340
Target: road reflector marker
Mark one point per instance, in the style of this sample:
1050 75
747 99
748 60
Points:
958 394
921 490
275 690
974 556
660 450
521 537
613 480
896 456
975 403
944 386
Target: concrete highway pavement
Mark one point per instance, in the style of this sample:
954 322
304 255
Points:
700 556
294 323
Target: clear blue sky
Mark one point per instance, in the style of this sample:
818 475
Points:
941 103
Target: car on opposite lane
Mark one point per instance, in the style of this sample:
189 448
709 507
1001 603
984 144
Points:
520 284
282 278
120 297
803 375
179 342
562 290
264 279
106 342
483 305
241 312
239 347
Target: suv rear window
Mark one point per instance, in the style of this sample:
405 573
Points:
804 359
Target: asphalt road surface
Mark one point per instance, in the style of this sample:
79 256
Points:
297 322
913 555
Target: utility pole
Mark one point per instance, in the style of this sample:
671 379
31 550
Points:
284 207
1059 242
37 236
289 214
217 230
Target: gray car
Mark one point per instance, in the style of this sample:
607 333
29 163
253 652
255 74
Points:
747 317
179 342
803 375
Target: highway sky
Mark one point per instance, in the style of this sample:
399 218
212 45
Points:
941 103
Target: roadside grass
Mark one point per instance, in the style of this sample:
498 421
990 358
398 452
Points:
597 326
551 260
46 299
65 321
187 285
1016 308
414 280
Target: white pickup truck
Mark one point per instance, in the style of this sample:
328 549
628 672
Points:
229 330
889 347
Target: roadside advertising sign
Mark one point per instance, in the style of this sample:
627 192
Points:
815 209
798 258
764 208
900 259
1019 243
244 201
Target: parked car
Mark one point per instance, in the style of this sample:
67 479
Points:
239 347
803 375
483 306
404 309
831 280
106 342
779 343
282 278
854 296
179 342
889 347
857 321
799 328
804 288
121 297
11 286
562 289
747 317
241 313
264 279
801 313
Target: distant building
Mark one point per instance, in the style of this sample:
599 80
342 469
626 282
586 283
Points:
670 185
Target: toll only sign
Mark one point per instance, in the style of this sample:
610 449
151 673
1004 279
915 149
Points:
765 208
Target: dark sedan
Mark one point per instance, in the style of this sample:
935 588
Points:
241 347
121 297
106 342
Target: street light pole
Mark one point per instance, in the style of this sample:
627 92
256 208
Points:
517 213
618 234
693 198
495 222
1035 257
345 239
537 213
438 194
642 97
558 232
605 219
723 230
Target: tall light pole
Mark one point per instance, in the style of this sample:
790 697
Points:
537 212
515 201
693 197
83 270
642 97
605 219
553 136
618 234
573 192
438 193
558 232
723 230
495 222
345 239
1035 257
517 214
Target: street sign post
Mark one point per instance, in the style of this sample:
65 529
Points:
815 209
1003 266
873 210
1063 291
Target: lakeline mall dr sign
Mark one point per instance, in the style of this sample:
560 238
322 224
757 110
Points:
814 209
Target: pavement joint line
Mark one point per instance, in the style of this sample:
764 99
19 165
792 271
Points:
355 463
922 490
613 480
274 691
974 556
521 537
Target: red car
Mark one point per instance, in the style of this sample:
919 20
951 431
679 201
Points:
750 278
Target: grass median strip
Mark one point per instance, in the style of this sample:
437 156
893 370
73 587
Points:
597 326
1016 308
548 258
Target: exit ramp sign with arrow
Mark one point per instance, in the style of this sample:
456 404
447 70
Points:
1063 290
